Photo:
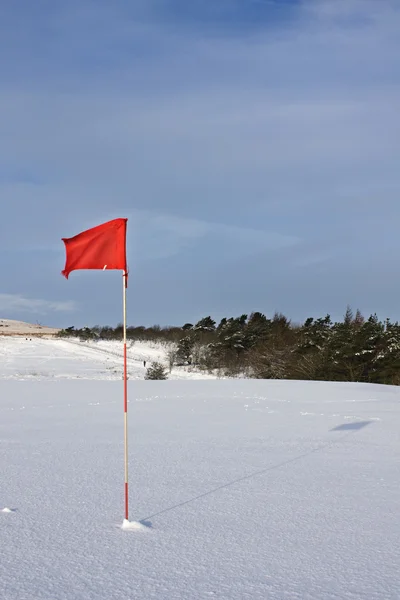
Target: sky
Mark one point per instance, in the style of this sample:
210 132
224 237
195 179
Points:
253 145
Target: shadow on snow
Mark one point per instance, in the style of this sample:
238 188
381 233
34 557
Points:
354 426
350 428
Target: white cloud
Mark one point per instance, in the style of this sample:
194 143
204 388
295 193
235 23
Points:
17 302
339 9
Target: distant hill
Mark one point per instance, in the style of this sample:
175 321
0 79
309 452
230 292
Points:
9 327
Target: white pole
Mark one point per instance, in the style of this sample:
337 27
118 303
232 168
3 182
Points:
124 282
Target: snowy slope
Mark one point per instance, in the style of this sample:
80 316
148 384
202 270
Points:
53 358
12 327
248 490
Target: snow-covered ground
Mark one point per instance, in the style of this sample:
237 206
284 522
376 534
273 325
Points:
53 358
246 490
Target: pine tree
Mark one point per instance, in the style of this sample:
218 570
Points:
312 349
343 361
206 324
184 351
368 344
156 372
222 324
348 317
386 361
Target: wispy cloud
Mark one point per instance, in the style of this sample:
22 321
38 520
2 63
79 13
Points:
17 303
161 235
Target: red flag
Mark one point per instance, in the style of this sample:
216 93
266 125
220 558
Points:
102 247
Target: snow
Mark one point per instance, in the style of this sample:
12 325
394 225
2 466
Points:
133 526
239 490
54 358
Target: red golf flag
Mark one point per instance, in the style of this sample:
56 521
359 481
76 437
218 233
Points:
102 247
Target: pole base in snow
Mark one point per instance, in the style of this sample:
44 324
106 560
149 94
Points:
133 526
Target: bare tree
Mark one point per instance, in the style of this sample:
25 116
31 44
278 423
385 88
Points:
171 354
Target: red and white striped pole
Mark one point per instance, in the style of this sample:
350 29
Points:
125 283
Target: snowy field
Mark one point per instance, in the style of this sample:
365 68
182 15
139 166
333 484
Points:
247 490
53 358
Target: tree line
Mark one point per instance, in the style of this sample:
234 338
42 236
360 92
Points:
353 349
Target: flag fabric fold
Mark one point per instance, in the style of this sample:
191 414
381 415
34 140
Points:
102 247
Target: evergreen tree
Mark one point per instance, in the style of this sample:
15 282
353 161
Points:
387 361
156 371
184 351
312 349
222 324
348 317
316 334
206 324
343 361
369 345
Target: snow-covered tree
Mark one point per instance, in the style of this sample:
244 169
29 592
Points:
156 371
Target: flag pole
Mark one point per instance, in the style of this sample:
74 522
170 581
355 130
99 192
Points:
124 282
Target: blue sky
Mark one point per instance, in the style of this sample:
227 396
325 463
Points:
254 146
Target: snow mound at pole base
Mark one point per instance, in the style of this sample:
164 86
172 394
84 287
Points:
133 526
